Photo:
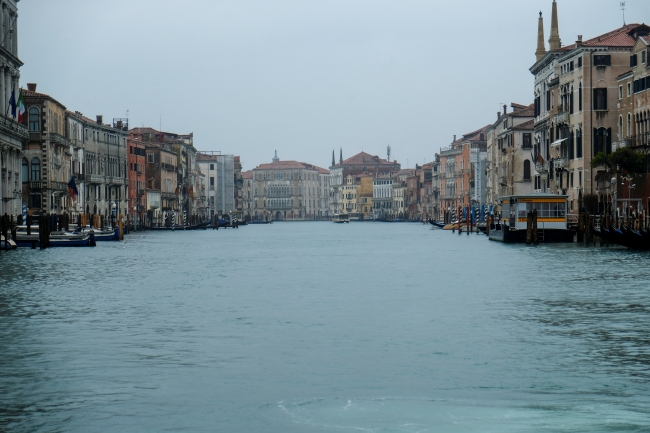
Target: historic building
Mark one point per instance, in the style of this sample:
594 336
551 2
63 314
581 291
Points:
136 163
509 156
358 164
287 190
456 177
577 92
248 202
12 134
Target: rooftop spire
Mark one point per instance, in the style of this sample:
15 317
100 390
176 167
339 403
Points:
341 157
275 158
333 160
541 47
554 42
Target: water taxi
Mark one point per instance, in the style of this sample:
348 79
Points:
341 218
551 218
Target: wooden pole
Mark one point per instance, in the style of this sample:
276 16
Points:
535 234
529 228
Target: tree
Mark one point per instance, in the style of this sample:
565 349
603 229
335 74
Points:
624 160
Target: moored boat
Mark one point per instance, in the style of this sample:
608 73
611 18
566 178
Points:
7 244
57 239
341 218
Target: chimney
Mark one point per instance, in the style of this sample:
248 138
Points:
454 137
119 124
579 41
505 109
31 87
541 48
99 119
554 42
498 114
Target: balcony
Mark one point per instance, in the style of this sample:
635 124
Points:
503 180
58 139
541 167
561 117
58 186
35 136
641 140
35 185
168 167
168 195
95 178
115 180
561 163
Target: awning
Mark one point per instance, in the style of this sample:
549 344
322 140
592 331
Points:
558 142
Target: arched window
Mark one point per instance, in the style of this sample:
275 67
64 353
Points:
34 124
36 169
629 124
620 127
25 171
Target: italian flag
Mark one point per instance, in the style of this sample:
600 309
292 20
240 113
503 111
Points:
21 108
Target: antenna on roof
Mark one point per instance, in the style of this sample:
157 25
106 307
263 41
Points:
623 9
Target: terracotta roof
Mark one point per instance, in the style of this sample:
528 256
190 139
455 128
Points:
247 174
522 110
30 93
366 158
646 39
203 157
287 165
474 135
524 126
621 37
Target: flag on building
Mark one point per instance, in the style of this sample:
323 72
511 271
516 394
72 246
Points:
72 188
12 103
21 108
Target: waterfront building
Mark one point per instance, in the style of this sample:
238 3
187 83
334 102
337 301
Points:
509 157
248 202
287 190
435 188
457 181
577 92
14 174
361 163
238 184
400 201
382 197
136 163
425 206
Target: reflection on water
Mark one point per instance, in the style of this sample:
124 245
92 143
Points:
323 327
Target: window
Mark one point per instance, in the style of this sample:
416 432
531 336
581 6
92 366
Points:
643 57
602 140
25 171
211 180
629 124
36 169
602 60
600 99
580 62
633 60
34 119
580 97
526 170
211 166
629 89
150 157
527 141
620 92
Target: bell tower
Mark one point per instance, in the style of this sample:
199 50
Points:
541 47
554 42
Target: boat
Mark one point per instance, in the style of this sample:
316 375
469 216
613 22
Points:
341 218
57 238
105 234
438 224
630 238
552 225
7 244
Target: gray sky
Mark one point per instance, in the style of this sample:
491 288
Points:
303 77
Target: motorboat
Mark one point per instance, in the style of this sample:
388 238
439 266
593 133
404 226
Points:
7 244
341 218
57 238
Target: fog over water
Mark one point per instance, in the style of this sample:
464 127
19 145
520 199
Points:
295 327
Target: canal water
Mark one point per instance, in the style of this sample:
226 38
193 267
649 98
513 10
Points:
319 327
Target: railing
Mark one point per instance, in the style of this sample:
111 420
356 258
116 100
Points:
168 195
35 136
35 185
58 186
115 180
638 140
562 117
542 168
57 139
561 163
168 167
